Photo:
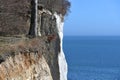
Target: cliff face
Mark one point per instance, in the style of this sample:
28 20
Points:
28 66
31 40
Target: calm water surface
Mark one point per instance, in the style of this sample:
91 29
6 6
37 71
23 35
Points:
93 58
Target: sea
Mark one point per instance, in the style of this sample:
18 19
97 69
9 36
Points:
92 57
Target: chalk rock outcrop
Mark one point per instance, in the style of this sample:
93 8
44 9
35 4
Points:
31 33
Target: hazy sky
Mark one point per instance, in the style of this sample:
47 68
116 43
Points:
93 17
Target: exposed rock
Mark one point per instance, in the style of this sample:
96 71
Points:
31 40
25 66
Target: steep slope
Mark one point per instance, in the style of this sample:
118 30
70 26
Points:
30 49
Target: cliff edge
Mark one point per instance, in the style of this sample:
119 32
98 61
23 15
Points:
31 33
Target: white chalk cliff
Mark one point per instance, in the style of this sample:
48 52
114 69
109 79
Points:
31 40
61 57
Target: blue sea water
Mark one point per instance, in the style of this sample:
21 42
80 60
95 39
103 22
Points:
92 57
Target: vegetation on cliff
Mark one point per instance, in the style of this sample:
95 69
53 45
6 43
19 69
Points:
15 15
60 6
15 22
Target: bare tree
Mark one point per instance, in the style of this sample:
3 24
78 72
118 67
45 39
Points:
20 16
34 23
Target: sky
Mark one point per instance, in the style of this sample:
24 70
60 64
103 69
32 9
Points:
93 18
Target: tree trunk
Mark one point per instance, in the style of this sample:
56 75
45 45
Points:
34 24
36 20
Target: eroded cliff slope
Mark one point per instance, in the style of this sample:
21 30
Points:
31 34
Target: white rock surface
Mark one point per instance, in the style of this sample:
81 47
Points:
61 57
